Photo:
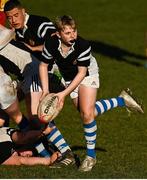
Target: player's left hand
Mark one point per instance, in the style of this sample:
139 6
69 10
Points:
61 98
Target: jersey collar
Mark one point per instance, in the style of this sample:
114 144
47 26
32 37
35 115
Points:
26 20
69 52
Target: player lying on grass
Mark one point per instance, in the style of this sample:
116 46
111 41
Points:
79 68
9 155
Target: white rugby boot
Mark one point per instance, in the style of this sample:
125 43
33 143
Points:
130 102
87 164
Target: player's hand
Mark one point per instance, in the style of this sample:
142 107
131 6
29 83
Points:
30 47
34 48
61 98
44 93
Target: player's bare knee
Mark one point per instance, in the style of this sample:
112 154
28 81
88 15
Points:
87 116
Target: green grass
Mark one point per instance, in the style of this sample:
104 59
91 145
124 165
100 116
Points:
122 139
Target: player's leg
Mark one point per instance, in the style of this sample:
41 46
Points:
9 102
123 100
57 139
32 101
14 112
87 97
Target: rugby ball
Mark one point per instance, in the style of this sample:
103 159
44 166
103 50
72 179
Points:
48 108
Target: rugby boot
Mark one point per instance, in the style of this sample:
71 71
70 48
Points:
87 164
68 158
130 102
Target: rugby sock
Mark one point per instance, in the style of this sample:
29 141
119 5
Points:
24 123
90 136
105 105
57 139
41 150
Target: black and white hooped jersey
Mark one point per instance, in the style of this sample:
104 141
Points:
79 55
35 30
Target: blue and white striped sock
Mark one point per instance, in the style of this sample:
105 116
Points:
105 105
90 136
57 139
41 150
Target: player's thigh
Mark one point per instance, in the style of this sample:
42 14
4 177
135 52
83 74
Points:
32 102
31 87
88 92
87 98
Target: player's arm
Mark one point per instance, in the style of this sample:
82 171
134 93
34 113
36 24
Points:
43 72
20 160
76 81
47 58
35 48
10 67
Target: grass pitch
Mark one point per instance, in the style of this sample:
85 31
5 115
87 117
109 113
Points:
116 30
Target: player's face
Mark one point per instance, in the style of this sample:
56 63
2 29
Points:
16 18
68 35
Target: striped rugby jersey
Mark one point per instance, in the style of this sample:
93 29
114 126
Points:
78 55
35 30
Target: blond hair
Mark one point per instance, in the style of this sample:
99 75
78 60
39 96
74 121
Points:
65 20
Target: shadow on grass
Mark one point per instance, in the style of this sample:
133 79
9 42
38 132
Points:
75 148
116 53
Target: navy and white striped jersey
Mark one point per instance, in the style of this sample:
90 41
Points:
79 55
35 30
